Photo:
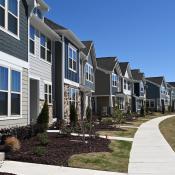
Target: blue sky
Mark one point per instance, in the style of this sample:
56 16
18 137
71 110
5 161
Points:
139 31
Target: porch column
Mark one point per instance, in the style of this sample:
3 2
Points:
110 105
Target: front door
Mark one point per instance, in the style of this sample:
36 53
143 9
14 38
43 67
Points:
34 100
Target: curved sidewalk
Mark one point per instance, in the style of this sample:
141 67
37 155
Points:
150 153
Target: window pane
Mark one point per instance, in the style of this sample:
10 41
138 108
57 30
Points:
2 2
50 89
48 56
2 17
45 87
42 40
12 6
32 32
12 24
70 63
74 65
3 78
15 81
74 55
15 104
49 44
3 103
43 55
46 97
32 46
50 99
70 53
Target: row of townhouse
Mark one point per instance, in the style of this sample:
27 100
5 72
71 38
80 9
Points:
41 60
118 85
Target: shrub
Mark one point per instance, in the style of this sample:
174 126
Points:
12 144
43 118
142 112
88 114
118 116
107 121
73 115
39 151
43 138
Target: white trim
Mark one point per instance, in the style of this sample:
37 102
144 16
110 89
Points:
12 61
34 77
70 46
103 95
66 81
47 82
90 72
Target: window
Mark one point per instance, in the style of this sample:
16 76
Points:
114 80
2 13
89 72
9 11
73 95
120 103
48 93
72 59
32 40
125 82
15 92
10 94
129 86
3 91
152 104
45 48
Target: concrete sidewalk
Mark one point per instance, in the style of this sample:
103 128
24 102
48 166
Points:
150 153
21 168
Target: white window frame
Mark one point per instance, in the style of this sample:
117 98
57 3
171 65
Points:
45 47
89 71
71 96
48 93
9 116
32 40
114 80
72 59
5 28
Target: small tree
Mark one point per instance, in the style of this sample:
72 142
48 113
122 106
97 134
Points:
88 114
118 116
73 115
43 118
142 111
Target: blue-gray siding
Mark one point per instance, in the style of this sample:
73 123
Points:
152 91
70 75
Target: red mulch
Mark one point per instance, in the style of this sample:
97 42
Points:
59 150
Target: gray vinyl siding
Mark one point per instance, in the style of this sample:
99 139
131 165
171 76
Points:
89 84
13 46
39 67
25 114
152 91
102 83
114 90
70 75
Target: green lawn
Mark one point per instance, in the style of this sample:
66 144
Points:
126 132
116 161
167 128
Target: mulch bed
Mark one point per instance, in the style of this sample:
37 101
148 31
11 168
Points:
59 150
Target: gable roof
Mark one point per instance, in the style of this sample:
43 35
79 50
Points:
157 80
137 75
123 67
64 31
88 45
172 83
107 63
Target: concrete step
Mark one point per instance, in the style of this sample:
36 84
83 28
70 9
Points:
2 156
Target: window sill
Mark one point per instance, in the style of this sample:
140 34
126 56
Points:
49 63
72 70
16 117
10 33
